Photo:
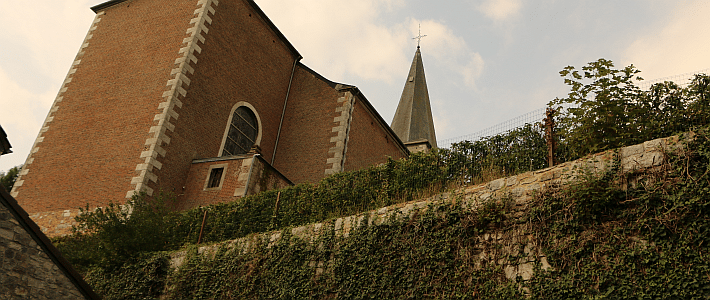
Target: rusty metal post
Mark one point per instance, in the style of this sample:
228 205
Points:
550 136
202 228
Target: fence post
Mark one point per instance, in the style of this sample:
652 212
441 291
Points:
550 136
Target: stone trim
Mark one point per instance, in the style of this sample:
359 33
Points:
341 130
153 148
221 178
55 106
243 179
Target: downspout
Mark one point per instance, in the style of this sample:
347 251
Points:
288 91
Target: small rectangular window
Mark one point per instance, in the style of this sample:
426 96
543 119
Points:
215 177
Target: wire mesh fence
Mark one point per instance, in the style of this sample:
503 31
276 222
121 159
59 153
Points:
682 80
536 116
519 121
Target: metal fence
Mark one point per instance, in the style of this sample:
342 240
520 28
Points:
536 116
682 80
517 122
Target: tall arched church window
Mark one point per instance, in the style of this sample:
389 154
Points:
242 132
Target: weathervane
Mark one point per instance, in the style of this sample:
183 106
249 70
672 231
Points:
420 36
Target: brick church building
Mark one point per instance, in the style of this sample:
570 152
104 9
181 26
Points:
209 101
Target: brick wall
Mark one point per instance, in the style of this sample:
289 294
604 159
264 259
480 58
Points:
56 223
368 142
26 272
242 175
144 98
92 140
152 89
241 60
302 152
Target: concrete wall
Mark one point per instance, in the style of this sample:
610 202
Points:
26 272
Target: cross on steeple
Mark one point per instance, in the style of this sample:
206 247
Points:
420 36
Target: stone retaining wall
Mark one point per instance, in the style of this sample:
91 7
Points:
519 189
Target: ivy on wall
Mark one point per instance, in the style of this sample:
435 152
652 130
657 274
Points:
610 236
642 235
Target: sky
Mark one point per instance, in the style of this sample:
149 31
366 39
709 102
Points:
486 61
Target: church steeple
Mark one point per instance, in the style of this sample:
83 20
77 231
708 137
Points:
413 122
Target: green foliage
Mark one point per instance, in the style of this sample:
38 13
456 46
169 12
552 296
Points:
7 180
609 235
429 258
604 113
108 237
335 196
649 241
141 277
520 150
606 109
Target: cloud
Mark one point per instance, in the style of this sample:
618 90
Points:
21 113
341 36
680 47
345 39
500 10
450 51
38 47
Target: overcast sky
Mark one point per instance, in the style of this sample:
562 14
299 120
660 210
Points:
486 61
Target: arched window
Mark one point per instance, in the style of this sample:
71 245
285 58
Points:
242 132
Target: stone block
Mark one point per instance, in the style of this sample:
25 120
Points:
654 145
631 150
527 179
7 234
496 184
532 187
546 176
512 180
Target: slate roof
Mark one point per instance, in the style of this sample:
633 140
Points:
413 121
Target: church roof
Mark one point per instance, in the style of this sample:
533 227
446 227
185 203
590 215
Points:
413 121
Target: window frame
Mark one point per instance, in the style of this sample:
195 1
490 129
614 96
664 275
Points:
209 175
257 140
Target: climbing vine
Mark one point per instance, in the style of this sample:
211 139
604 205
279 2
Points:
638 235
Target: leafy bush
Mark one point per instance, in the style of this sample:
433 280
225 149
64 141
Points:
605 109
108 237
519 150
7 180
650 240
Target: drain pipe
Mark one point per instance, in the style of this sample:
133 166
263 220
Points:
288 91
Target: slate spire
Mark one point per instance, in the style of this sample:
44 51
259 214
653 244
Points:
413 122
